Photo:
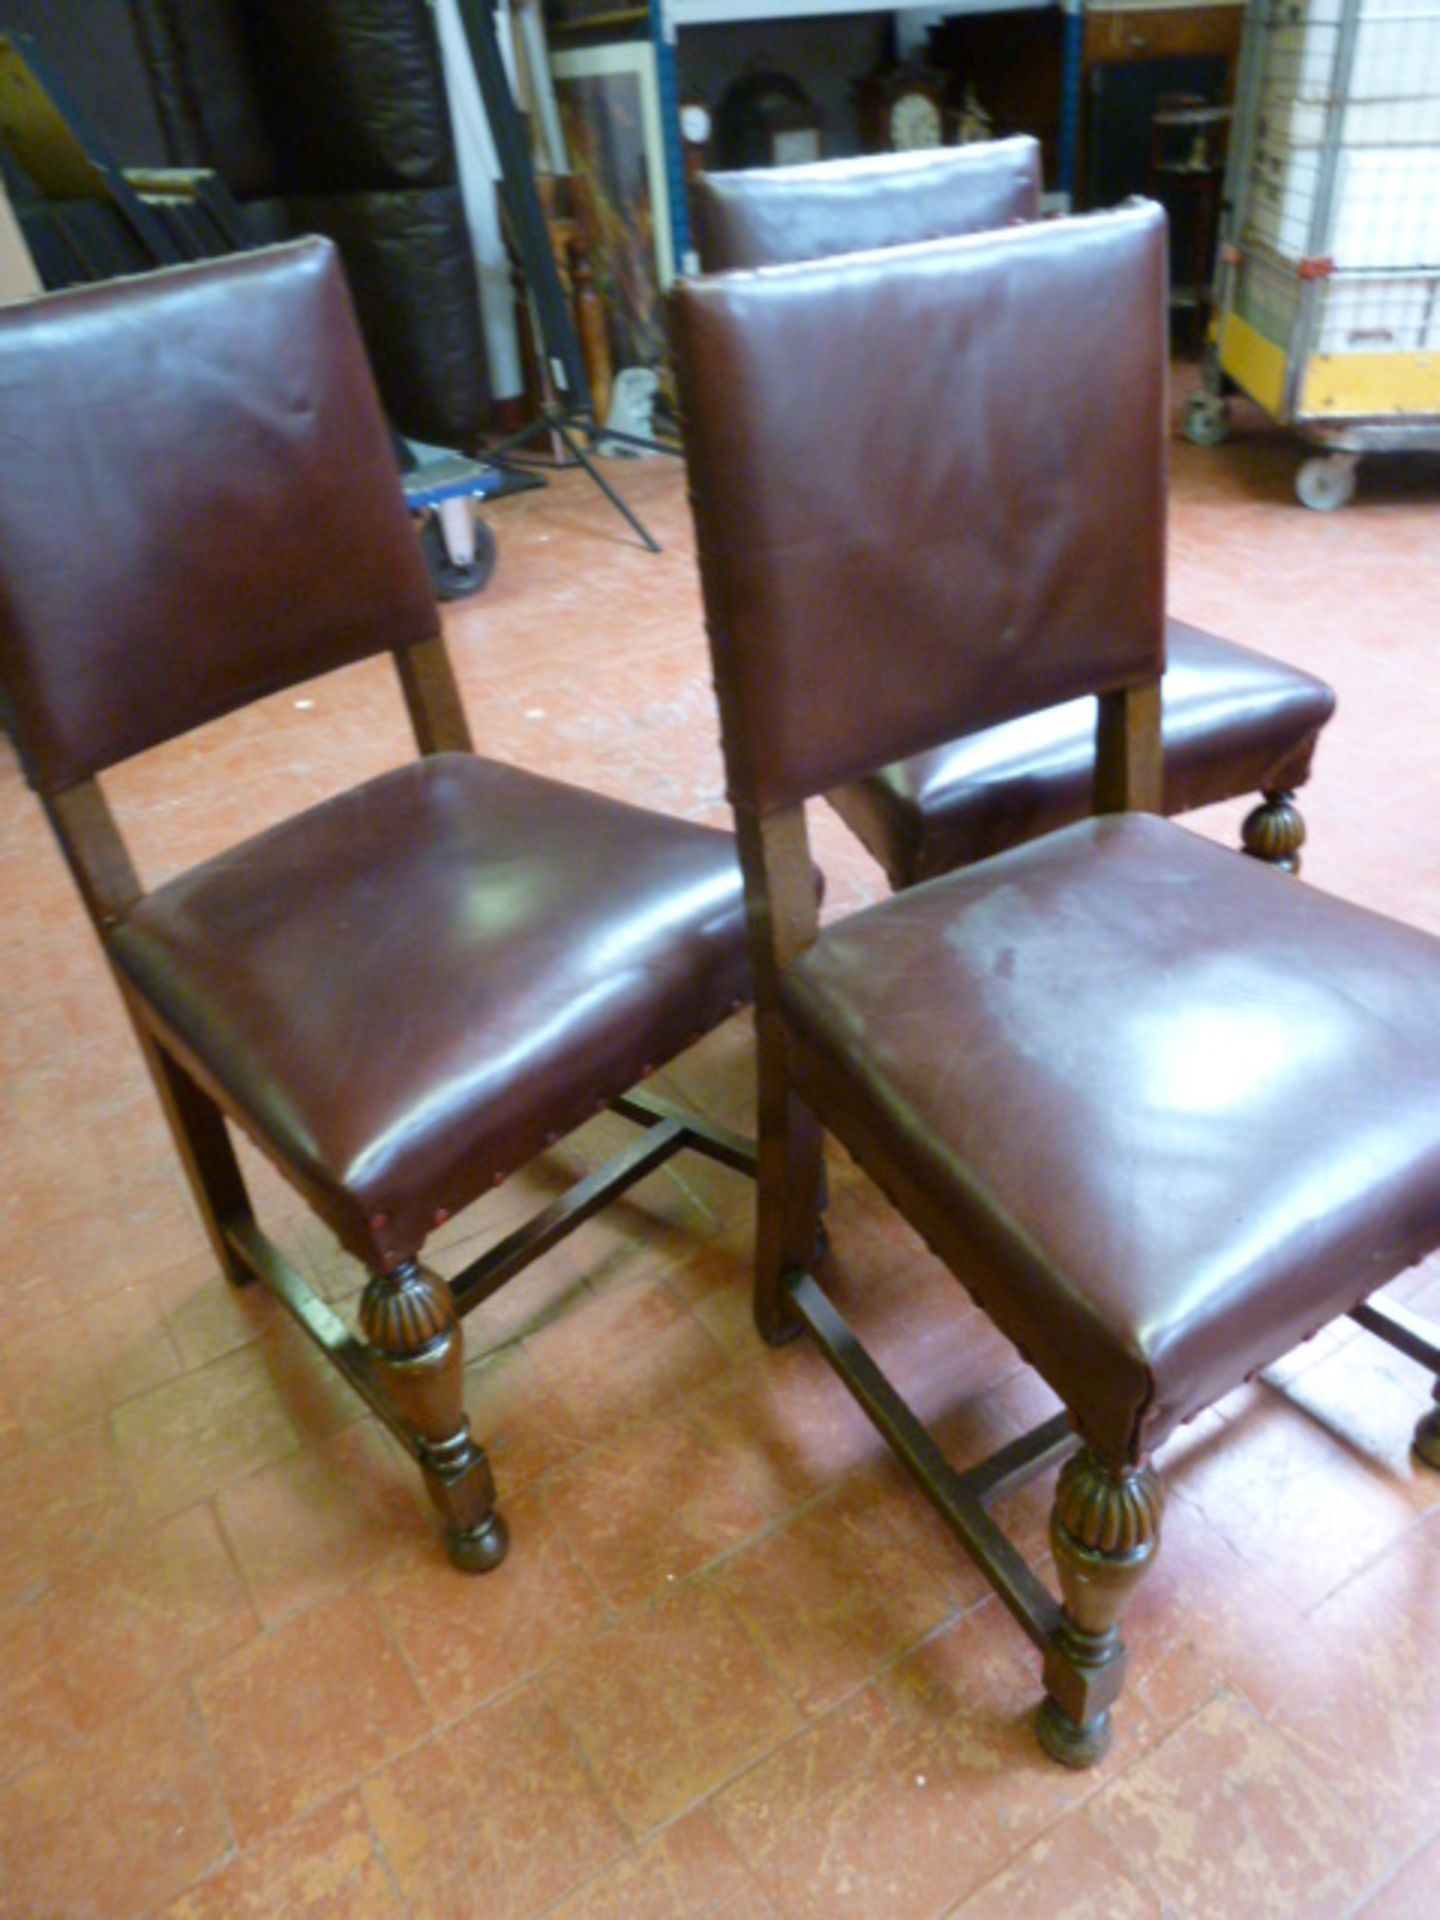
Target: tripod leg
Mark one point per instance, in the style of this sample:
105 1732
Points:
574 447
495 456
640 440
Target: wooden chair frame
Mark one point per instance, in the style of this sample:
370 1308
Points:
1105 1523
409 1366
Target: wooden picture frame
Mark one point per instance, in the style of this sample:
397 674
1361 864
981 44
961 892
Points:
609 100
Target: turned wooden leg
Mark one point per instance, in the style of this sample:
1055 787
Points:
1104 1529
408 1316
206 1152
791 1194
1426 1441
1275 831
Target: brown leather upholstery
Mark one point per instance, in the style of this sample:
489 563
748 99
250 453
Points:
1161 1111
1234 721
516 953
771 215
1176 1152
111 519
863 542
401 994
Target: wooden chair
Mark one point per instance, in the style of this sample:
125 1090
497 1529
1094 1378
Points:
1234 721
1089 1070
401 994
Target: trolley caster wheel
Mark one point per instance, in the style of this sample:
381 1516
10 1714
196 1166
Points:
1326 483
1207 420
456 578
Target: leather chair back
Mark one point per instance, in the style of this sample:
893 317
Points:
299 555
898 547
770 216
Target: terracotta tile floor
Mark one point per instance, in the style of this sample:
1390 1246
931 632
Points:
732 1667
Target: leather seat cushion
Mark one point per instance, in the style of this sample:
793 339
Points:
1234 721
1163 1109
409 989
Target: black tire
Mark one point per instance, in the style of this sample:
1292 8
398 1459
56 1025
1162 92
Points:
451 581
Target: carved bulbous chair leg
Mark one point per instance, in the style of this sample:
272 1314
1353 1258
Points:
1426 1441
1275 831
1104 1530
408 1316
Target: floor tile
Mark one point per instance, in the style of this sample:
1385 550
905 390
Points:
916 1791
1410 1895
467 1638
1070 1873
1227 1819
1352 1692
122 1822
717 1283
835 1595
65 1265
518 1419
325 1867
863 1815
938 1350
306 1710
332 1272
689 1869
622 1353
499 1816
191 1437
750 1905
547 1291
717 1075
36 1713
1199 1620
73 1370
1299 1508
789 1426
318 1400
62 1501
650 1507
13 1437
145 1614
1366 1398
316 1521
206 1314
669 1703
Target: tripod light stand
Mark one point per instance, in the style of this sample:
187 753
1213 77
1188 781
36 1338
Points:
568 408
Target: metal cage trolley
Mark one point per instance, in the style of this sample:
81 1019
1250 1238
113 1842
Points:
1327 284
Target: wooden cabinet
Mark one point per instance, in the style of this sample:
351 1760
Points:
1114 34
1132 59
1128 58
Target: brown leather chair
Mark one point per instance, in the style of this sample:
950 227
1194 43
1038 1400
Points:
401 994
772 216
1234 721
1088 1069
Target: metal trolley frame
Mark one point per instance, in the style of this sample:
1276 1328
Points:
1327 285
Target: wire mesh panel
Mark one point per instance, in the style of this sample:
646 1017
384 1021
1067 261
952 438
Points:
1346 157
1378 313
1267 297
1328 291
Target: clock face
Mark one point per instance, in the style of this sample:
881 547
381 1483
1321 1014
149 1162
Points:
695 122
914 122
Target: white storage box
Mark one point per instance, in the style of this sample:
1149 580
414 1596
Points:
1375 315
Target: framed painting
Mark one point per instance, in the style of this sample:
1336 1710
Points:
609 100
